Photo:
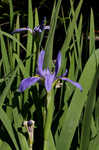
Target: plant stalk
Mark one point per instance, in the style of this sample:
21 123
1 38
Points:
49 116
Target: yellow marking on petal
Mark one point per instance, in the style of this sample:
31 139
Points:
41 78
64 77
36 76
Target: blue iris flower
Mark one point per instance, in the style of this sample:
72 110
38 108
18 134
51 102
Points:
36 29
45 74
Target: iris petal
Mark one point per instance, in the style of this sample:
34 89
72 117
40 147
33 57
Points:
37 29
22 30
49 79
58 63
46 27
26 83
46 75
40 70
64 74
74 83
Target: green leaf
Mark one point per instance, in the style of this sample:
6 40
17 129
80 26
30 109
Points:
23 142
92 34
21 65
18 35
29 38
35 46
70 30
7 124
7 88
94 144
79 40
85 134
11 13
97 114
51 144
18 120
4 56
72 116
5 146
93 128
29 45
13 38
50 39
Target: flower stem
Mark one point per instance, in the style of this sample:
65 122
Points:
30 128
49 115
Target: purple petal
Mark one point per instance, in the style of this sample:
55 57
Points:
37 29
49 79
26 83
21 30
29 29
46 27
40 70
58 63
64 74
40 28
74 83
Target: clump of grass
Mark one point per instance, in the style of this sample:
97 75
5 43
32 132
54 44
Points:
65 118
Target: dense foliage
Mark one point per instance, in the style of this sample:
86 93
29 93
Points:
51 114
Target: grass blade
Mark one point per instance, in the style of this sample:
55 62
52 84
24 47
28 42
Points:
85 135
92 34
4 146
29 39
7 88
4 56
73 114
35 46
13 38
21 65
94 144
70 30
7 124
50 39
11 13
18 120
